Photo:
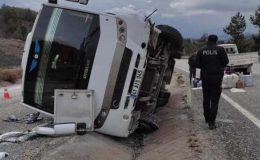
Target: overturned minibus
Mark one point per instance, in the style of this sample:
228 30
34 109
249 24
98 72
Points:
125 60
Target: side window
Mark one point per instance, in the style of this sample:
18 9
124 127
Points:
226 49
232 50
63 46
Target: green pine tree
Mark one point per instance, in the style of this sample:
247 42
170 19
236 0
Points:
255 20
236 29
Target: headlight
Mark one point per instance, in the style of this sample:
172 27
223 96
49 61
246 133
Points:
122 38
121 30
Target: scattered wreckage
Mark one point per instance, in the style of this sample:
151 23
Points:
101 72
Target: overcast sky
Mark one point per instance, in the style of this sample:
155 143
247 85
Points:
191 17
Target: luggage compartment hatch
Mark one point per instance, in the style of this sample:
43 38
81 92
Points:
74 106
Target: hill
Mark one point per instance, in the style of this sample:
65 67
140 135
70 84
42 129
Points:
10 52
15 25
16 22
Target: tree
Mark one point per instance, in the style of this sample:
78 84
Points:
255 20
23 32
203 40
18 34
190 46
28 15
236 29
204 37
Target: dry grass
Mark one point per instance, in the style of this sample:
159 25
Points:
11 75
194 143
180 80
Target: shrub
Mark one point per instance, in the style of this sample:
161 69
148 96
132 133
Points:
11 75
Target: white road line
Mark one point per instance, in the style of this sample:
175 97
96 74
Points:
242 110
247 114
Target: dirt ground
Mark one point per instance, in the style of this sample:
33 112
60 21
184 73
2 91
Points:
12 46
10 61
10 52
176 137
180 136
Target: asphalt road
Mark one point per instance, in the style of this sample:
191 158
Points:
14 92
238 120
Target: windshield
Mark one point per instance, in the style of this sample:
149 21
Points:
61 55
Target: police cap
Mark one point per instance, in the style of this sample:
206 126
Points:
212 38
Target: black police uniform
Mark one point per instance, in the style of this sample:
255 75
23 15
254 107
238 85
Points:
211 59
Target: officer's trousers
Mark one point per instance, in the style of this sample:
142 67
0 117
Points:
192 73
212 89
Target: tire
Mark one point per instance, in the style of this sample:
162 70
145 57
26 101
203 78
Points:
148 123
154 63
163 98
145 99
245 72
162 102
169 71
164 94
173 35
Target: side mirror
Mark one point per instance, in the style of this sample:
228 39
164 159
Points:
80 1
52 1
83 2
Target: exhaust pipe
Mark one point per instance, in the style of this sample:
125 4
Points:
57 130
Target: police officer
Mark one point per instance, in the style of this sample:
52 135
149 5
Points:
192 65
211 59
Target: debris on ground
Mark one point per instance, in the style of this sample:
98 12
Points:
180 80
149 123
29 119
3 155
237 90
194 143
17 137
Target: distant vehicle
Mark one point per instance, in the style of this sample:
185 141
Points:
126 60
240 62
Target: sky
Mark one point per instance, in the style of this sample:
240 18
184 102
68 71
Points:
192 18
